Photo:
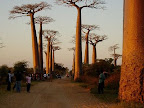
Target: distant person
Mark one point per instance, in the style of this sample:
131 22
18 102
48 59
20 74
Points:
18 76
101 82
28 81
9 79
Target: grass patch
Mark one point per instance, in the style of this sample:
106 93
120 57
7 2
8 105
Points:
109 96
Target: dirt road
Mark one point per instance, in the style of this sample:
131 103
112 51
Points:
60 93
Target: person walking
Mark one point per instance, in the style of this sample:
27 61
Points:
101 82
9 79
28 81
18 81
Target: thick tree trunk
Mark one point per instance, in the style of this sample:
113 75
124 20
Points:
34 45
94 54
50 60
53 60
115 62
73 67
46 63
41 49
48 53
132 71
86 59
78 49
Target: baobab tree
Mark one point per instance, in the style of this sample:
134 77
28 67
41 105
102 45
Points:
50 36
30 10
79 5
88 28
94 40
41 20
54 48
73 66
114 55
132 70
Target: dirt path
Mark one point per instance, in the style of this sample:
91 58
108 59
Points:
60 93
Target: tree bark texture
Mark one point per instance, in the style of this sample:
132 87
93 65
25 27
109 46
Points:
50 60
53 61
34 45
86 59
48 54
73 68
78 47
132 71
41 49
94 54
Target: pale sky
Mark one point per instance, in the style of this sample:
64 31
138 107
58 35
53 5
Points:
16 34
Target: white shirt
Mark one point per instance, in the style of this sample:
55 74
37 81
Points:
28 79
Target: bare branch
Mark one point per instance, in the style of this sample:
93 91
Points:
28 9
114 47
43 20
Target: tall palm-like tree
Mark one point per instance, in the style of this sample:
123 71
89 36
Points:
94 40
30 10
114 55
132 70
87 29
79 5
41 20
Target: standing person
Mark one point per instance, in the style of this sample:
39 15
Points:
9 77
28 81
18 81
101 82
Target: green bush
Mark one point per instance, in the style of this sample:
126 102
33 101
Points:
3 73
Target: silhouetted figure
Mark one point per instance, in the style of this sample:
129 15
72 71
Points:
18 76
101 82
28 81
9 77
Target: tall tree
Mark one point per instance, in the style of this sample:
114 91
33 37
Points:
94 40
132 70
114 55
73 65
88 28
79 5
54 48
30 10
42 20
50 36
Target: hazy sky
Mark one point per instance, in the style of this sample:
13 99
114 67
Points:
16 34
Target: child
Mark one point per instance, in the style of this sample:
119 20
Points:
28 81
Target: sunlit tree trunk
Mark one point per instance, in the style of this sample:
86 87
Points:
48 53
46 63
50 60
86 59
115 62
94 54
34 45
41 49
132 71
73 67
53 60
78 47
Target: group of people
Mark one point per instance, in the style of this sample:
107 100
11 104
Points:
17 85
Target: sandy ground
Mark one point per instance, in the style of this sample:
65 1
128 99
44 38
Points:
60 93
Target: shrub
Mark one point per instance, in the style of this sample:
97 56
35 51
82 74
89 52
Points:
3 73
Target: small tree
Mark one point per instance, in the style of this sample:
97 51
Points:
30 10
88 28
77 4
54 48
41 20
114 55
94 40
3 73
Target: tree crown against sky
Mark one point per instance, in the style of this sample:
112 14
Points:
89 27
43 19
83 3
114 47
94 38
26 10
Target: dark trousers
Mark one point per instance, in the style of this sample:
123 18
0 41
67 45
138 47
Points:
100 87
28 87
9 86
